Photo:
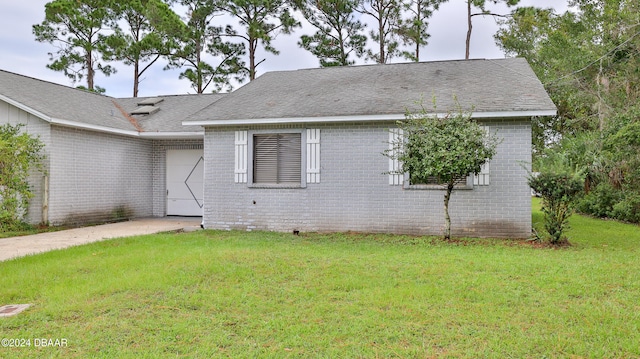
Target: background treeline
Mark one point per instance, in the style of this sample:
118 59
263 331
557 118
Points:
589 61
216 43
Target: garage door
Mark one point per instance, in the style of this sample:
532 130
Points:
185 179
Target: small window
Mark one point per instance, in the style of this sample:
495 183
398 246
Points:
277 158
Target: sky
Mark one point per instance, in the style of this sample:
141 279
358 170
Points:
22 54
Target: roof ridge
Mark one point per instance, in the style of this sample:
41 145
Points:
171 95
389 64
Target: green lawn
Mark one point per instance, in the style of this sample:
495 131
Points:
236 294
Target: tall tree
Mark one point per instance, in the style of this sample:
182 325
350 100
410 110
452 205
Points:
199 44
387 14
149 24
413 29
559 49
588 60
339 33
76 28
261 21
481 4
445 148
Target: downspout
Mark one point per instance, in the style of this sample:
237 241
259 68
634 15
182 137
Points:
45 201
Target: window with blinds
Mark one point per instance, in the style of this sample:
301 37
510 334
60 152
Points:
277 158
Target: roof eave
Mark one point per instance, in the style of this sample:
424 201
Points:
25 108
361 118
194 135
97 128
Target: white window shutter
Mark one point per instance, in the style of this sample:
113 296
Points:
482 178
395 178
313 155
241 144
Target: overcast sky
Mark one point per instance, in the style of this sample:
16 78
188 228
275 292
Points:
20 53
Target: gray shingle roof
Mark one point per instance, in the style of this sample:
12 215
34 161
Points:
503 85
58 102
62 102
173 109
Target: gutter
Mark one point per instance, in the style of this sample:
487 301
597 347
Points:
360 118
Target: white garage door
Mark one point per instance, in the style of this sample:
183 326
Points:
185 180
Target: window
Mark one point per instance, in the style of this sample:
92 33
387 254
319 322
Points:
409 182
277 158
435 181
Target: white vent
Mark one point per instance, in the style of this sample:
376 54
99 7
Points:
145 110
150 101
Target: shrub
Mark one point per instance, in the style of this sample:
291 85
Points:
628 209
19 153
559 192
599 201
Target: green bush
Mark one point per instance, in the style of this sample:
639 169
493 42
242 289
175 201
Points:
20 152
607 202
628 209
559 192
599 202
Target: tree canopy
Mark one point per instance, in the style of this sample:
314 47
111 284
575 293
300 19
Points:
446 149
147 36
339 34
197 37
260 20
589 61
75 28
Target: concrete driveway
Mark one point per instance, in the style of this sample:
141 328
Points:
21 246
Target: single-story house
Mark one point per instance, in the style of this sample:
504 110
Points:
108 158
291 151
303 150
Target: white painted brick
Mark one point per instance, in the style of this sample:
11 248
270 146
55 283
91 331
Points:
354 193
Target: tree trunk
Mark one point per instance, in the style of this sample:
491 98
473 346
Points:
343 54
419 15
447 218
136 77
90 71
382 59
253 43
469 28
199 88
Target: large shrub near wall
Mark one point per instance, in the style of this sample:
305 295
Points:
19 152
559 192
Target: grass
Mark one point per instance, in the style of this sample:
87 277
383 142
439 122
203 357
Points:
236 294
29 229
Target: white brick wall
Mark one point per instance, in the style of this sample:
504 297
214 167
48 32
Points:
93 175
355 194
